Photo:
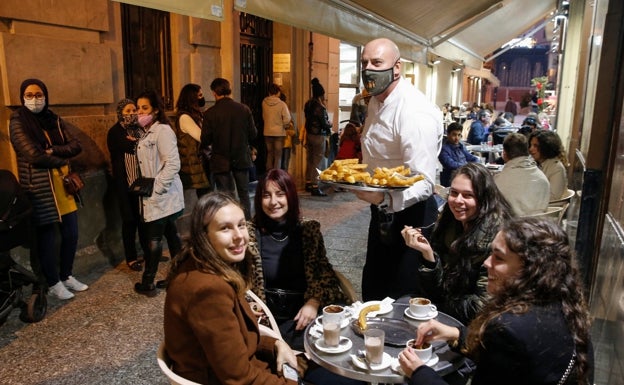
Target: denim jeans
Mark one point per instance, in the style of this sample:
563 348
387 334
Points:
46 246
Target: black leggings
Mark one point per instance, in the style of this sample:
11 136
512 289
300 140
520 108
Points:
154 233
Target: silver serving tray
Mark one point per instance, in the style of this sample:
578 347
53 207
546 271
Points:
360 186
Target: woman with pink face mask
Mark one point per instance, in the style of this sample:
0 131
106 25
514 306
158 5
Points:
158 157
44 147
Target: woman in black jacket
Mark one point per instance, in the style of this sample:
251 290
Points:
317 128
535 328
44 148
122 141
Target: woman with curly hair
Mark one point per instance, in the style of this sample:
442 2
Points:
535 328
452 273
547 150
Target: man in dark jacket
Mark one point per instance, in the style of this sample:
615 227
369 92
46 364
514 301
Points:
229 127
453 154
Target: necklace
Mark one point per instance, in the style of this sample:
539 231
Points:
279 239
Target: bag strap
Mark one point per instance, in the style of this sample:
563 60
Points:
568 370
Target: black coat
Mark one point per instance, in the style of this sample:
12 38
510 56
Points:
519 349
119 145
34 165
229 128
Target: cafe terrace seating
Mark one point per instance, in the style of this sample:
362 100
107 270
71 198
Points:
564 202
554 213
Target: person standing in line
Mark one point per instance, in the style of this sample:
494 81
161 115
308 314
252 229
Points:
290 140
317 129
44 148
349 145
122 140
229 128
535 329
157 153
276 118
188 132
402 129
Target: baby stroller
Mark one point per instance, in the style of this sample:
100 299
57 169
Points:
15 212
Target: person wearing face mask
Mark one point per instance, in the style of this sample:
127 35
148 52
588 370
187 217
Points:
402 128
317 129
44 147
188 132
122 140
276 118
157 153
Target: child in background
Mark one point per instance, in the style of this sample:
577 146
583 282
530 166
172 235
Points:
453 154
349 144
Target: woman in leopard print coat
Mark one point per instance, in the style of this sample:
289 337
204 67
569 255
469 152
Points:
291 271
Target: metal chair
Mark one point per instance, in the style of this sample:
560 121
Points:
566 198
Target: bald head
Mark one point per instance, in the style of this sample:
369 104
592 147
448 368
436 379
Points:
378 56
380 49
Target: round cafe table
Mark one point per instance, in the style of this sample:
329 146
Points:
342 364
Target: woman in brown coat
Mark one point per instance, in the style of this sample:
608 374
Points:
211 333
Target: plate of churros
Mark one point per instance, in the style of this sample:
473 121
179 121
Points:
351 175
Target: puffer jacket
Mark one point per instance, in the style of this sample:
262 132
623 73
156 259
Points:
35 167
158 156
192 171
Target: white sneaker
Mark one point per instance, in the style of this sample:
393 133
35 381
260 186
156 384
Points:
74 284
60 291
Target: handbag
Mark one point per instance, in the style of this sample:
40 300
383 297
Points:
142 187
73 183
284 304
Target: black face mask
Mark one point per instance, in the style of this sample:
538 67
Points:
377 81
201 102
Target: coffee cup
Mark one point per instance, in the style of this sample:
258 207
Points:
421 307
423 351
374 345
332 318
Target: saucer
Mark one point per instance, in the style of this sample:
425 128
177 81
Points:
433 361
343 324
384 308
432 314
344 345
360 363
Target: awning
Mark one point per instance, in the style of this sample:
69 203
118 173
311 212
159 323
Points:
463 31
203 9
483 73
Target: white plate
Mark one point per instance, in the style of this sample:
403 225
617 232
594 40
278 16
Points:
385 308
433 361
432 314
360 363
344 345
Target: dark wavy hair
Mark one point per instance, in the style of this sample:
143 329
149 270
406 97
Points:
548 275
188 102
157 104
492 207
287 184
200 250
549 145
